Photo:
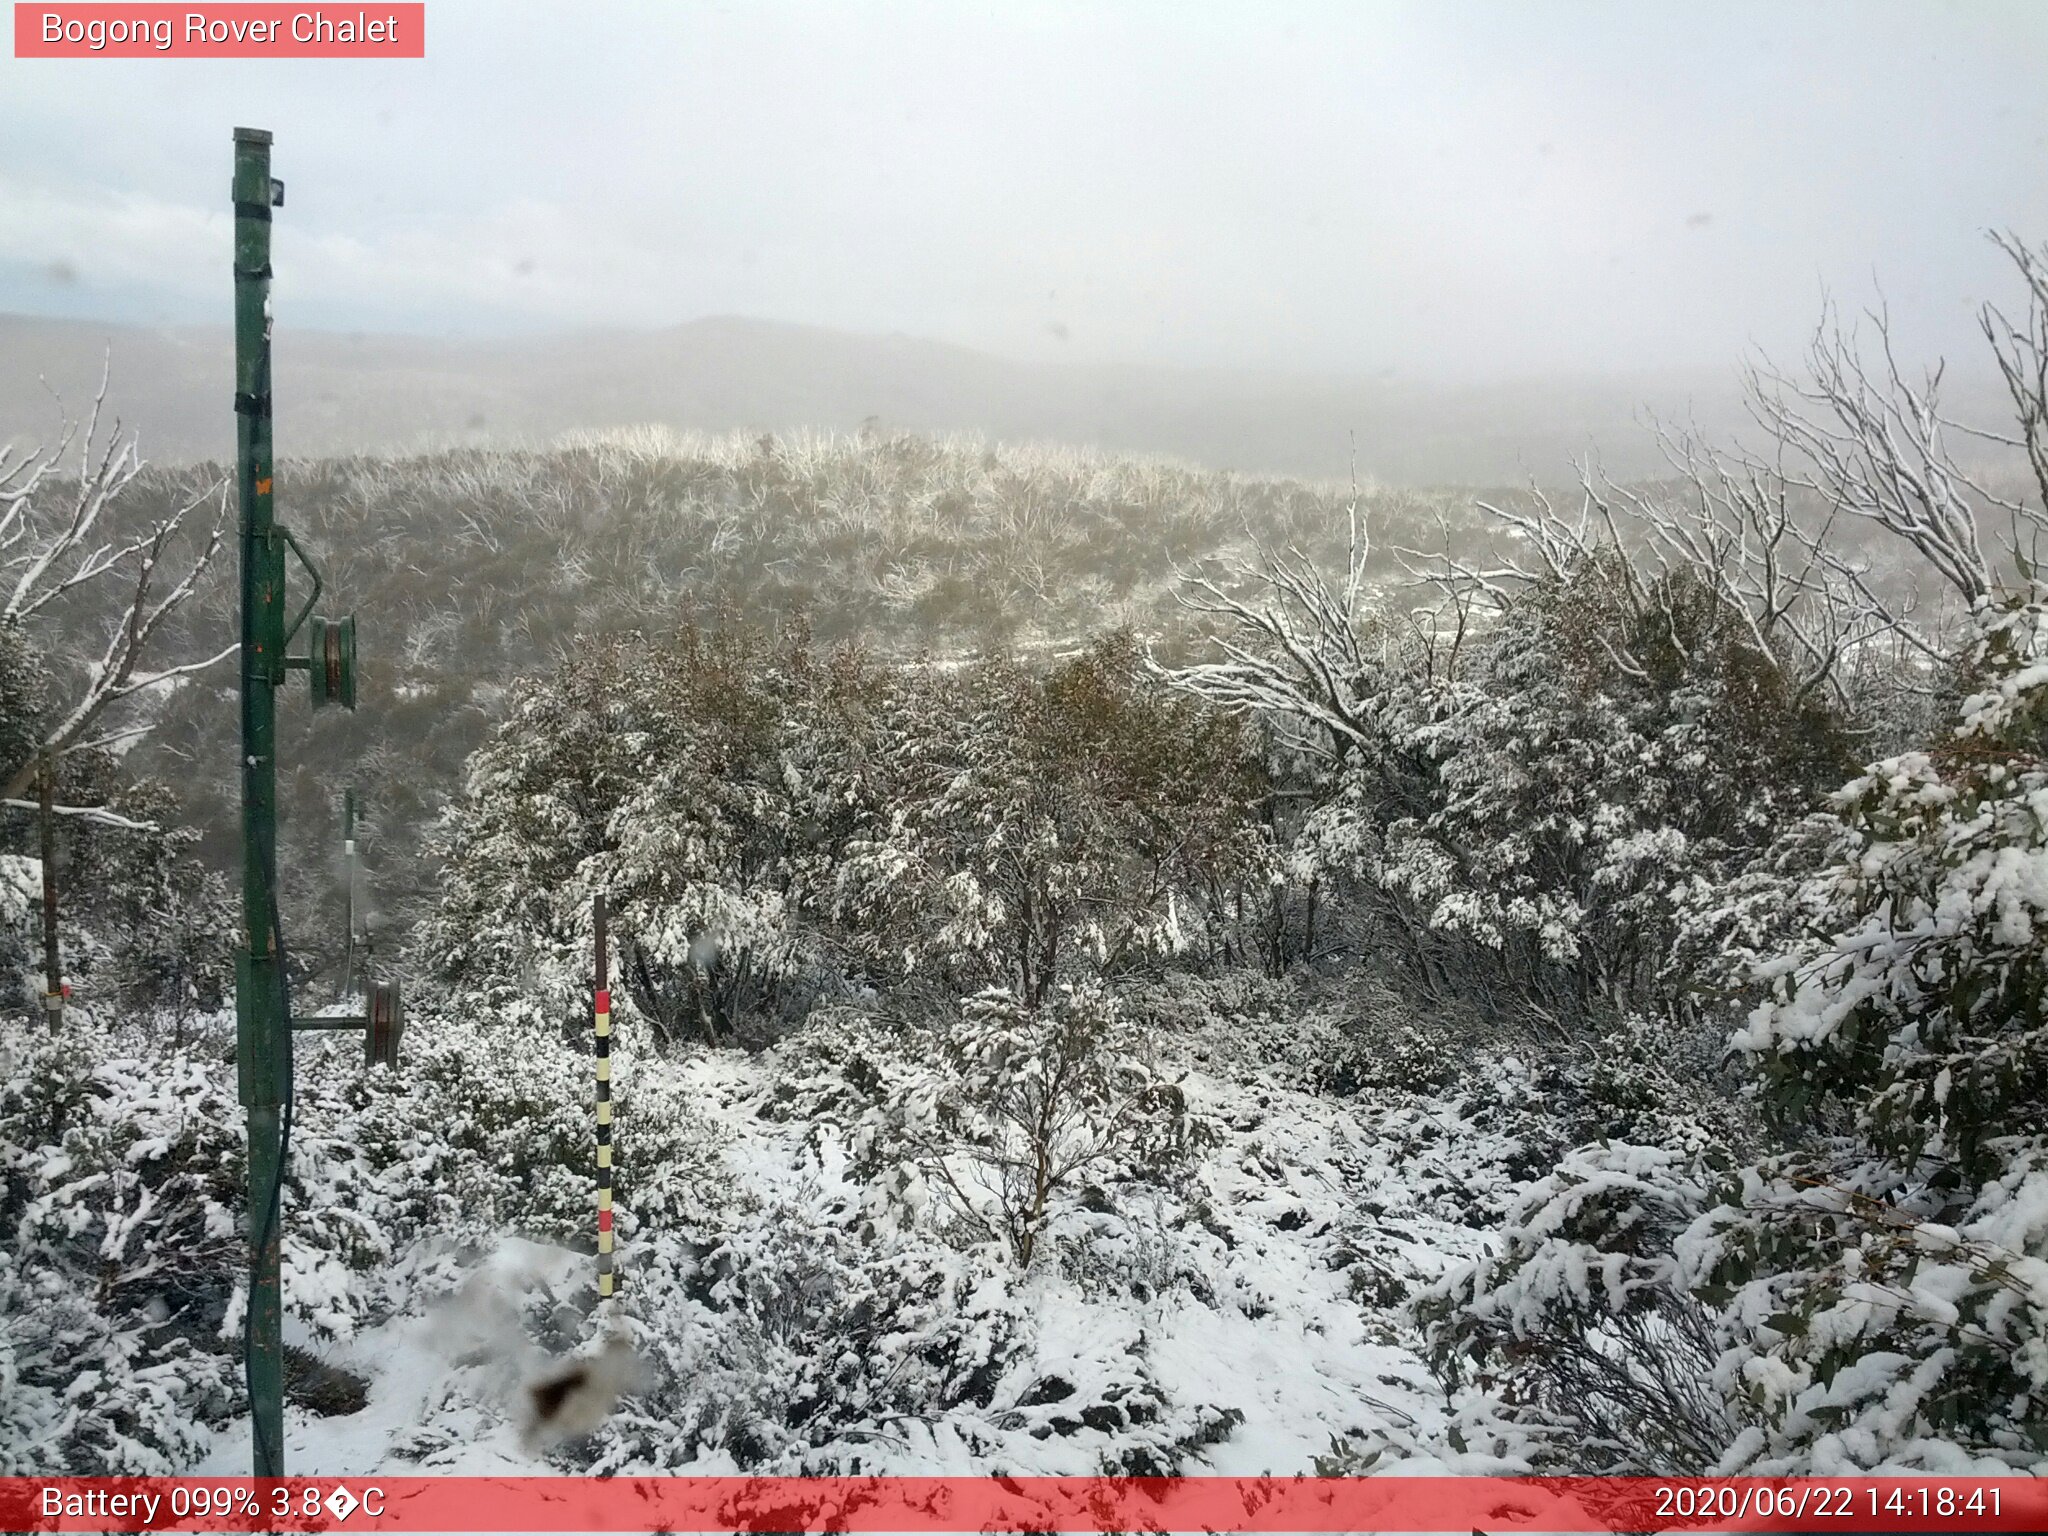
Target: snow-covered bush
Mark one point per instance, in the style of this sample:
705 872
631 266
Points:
168 920
1530 826
21 884
24 694
1235 1018
1020 1105
794 1337
569 784
1339 1034
765 822
804 1342
122 1270
119 1245
487 1130
1876 1295
1047 828
1888 1281
833 1071
143 923
1578 1328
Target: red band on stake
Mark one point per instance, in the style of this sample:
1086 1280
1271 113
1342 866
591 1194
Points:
380 30
604 1000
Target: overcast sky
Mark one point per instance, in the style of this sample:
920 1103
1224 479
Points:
1450 190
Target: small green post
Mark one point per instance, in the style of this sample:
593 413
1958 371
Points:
263 1024
349 877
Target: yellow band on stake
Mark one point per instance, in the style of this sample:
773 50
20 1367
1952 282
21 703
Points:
604 1111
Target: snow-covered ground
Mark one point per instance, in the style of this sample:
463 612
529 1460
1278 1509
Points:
1255 1305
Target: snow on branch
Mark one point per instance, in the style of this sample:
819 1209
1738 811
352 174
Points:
1855 438
49 556
2021 350
1877 444
1725 523
99 815
1300 656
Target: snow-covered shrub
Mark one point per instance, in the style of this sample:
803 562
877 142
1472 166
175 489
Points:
651 773
1528 826
92 1395
1044 829
765 822
833 1071
1874 1296
142 922
794 1338
168 920
804 1342
1727 930
119 1246
1128 1244
1650 1081
1232 1019
1018 1106
1341 1035
1888 1281
487 1129
24 694
1653 1080
21 883
1578 1328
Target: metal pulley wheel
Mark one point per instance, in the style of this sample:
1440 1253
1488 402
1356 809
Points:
332 669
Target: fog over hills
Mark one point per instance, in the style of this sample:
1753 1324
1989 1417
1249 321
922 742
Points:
341 394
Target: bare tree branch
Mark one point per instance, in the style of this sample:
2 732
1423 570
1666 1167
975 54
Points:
1302 659
1854 439
60 554
97 814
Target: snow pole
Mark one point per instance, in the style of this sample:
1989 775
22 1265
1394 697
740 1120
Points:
263 1014
603 1010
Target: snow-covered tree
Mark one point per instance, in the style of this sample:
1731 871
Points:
1873 1293
1021 1104
651 772
1043 829
77 550
1889 1281
1529 827
117 1180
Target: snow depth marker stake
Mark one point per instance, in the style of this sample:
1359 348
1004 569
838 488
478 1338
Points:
603 1010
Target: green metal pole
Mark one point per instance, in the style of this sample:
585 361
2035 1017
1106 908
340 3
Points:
264 1031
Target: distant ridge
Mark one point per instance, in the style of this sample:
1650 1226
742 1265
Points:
340 394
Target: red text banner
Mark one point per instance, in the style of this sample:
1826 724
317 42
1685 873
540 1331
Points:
216 31
914 1504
